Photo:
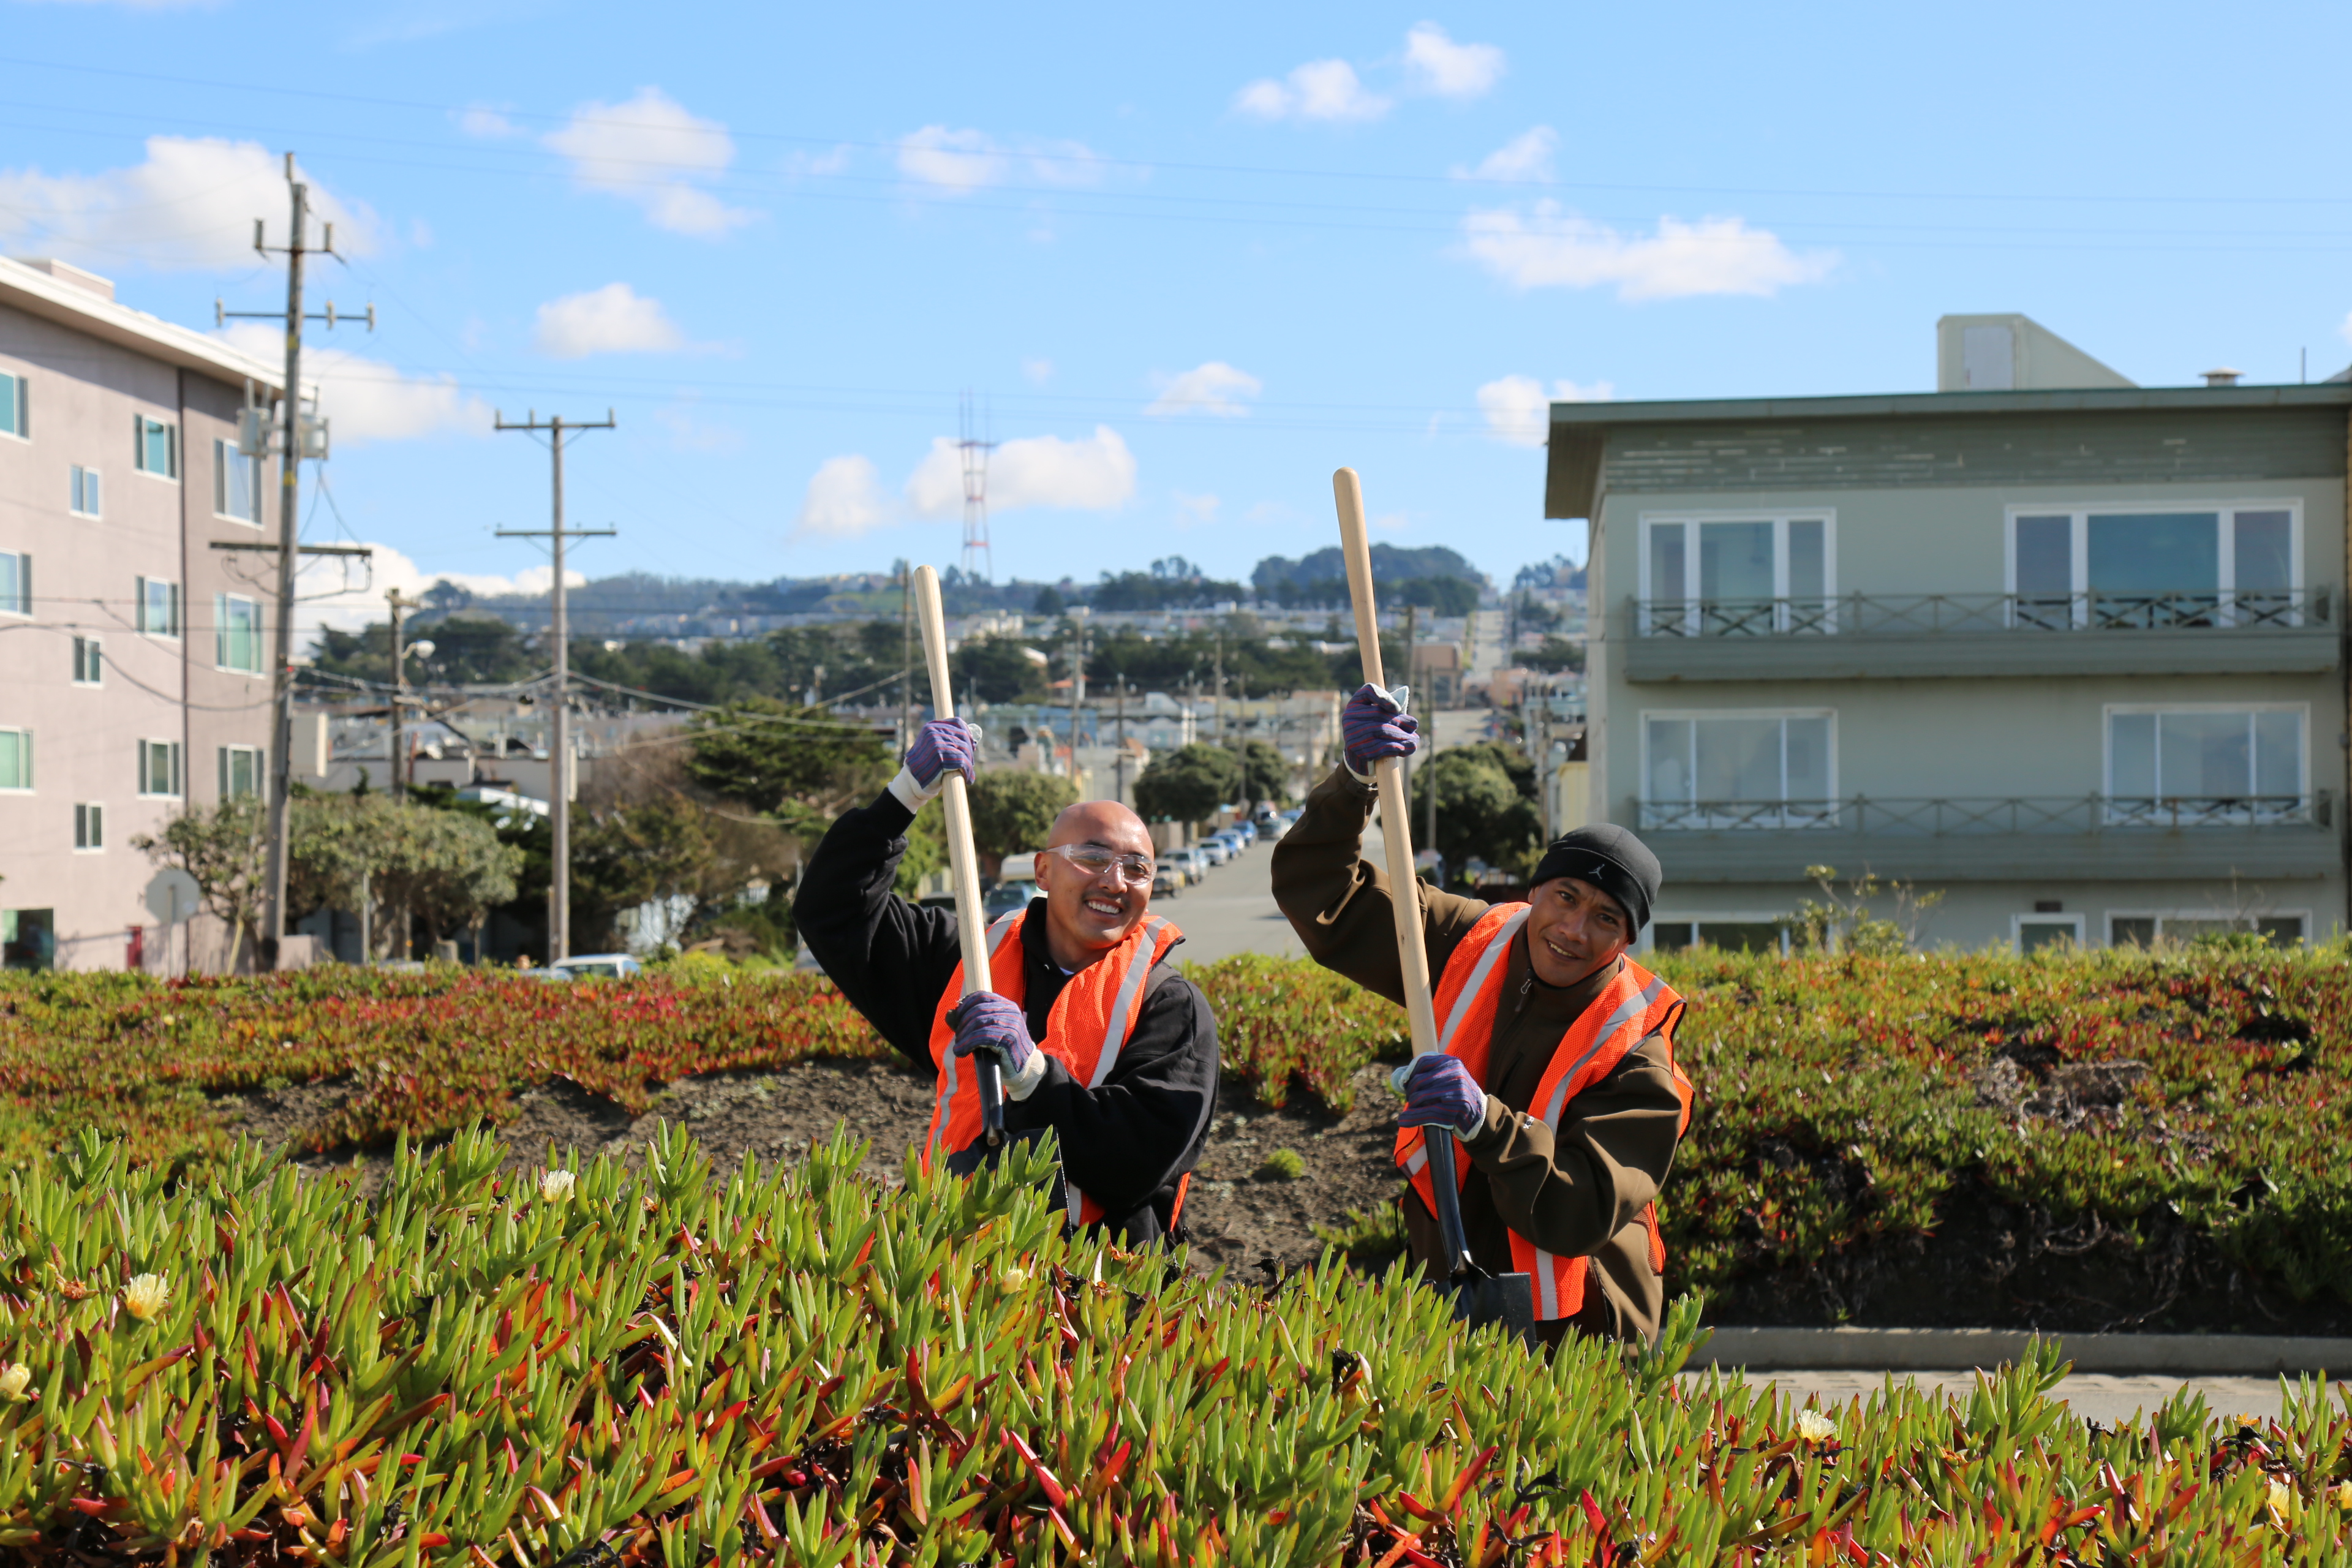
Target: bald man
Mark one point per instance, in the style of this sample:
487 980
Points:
1095 1033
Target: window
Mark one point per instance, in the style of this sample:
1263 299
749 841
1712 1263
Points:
240 771
90 827
1745 576
2032 933
15 584
28 939
2206 766
158 607
2144 569
2142 930
154 447
89 662
15 413
1744 769
236 483
236 633
84 501
1735 934
159 768
15 760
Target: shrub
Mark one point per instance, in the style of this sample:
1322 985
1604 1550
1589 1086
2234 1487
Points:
1285 1165
801 1367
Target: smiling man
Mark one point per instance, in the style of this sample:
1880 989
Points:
1095 1033
1556 1071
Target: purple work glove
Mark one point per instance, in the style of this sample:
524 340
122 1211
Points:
939 746
985 1021
1438 1089
1376 726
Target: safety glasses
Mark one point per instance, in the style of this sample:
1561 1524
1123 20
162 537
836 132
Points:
1094 860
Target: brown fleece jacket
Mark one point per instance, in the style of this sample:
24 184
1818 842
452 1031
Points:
1578 1192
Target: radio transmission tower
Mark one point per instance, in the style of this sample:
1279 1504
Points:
977 561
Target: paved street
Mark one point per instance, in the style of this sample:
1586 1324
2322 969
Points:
1232 912
2103 1397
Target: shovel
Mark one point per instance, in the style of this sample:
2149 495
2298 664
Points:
964 865
1479 1298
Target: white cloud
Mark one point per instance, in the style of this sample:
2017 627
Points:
1195 511
1439 64
2346 327
844 499
689 433
1210 388
1038 371
487 123
615 318
1544 247
652 152
959 161
1319 89
367 399
1096 474
1525 159
146 4
191 205
1518 410
347 594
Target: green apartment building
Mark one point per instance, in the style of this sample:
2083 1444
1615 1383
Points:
2067 649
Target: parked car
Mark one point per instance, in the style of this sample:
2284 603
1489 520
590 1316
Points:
1217 850
592 966
1006 897
1167 880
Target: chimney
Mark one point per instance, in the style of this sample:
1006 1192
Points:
2222 377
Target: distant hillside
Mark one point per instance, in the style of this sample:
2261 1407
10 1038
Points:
1391 563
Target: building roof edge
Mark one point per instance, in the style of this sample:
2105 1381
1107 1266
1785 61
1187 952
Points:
38 294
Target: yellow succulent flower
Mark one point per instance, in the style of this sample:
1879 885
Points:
556 1186
2343 1495
146 1296
14 1379
1815 1428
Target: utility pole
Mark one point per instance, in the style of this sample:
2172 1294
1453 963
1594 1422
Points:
399 694
905 656
294 444
1217 690
1078 687
559 754
1119 763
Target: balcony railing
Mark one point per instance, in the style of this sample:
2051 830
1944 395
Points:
1957 817
1874 614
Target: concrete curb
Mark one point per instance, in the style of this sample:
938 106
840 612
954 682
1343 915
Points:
1947 1350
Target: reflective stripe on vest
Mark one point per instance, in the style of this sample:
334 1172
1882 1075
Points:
1086 1028
1634 1005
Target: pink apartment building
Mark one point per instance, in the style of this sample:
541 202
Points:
136 655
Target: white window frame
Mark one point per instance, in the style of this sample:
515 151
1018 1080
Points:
260 770
1648 943
1803 820
88 653
2016 924
224 453
171 471
24 575
2079 562
221 602
90 815
20 407
2107 918
178 603
179 781
2108 711
75 495
23 750
1686 591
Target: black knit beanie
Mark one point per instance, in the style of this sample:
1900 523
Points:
1612 860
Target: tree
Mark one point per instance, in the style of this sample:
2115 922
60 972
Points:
226 850
800 766
1487 807
1188 783
417 865
996 669
1266 776
1557 654
1013 812
1049 601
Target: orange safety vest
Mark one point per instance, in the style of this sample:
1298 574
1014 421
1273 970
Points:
1085 1029
1629 1008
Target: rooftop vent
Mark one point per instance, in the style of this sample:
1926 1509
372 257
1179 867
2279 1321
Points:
67 272
2222 377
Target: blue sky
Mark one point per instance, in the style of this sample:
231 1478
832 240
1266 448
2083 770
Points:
1188 260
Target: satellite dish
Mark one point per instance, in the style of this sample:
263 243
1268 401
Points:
172 896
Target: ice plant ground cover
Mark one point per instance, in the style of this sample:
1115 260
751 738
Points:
669 1366
2147 1101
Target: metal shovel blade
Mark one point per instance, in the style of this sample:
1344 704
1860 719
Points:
1479 1298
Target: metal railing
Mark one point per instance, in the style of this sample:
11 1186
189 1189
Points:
2186 609
1960 816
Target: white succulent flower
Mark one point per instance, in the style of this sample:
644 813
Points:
146 1296
14 1379
556 1186
1815 1428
